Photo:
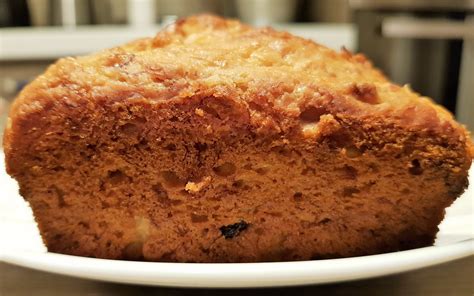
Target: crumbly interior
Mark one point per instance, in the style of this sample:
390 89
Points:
159 185
217 142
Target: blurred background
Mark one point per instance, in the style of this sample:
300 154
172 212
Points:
428 44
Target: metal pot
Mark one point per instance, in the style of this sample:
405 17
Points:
265 12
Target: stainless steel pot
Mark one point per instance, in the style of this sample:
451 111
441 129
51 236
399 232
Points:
266 12
169 9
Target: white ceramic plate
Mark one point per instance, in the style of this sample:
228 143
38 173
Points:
23 246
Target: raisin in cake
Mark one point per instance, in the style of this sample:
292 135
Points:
218 142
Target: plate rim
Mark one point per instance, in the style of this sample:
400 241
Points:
240 275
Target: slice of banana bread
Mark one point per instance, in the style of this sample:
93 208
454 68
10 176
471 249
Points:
218 142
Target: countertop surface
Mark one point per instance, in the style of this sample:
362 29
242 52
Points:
454 278
54 42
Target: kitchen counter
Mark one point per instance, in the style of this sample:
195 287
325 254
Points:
56 42
454 278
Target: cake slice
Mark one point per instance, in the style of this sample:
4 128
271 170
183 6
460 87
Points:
218 142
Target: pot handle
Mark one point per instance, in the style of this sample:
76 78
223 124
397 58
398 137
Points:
417 28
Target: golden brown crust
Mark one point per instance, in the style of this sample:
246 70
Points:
273 74
205 83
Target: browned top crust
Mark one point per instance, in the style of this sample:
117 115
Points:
273 76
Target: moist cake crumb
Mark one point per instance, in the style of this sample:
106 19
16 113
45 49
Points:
217 142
